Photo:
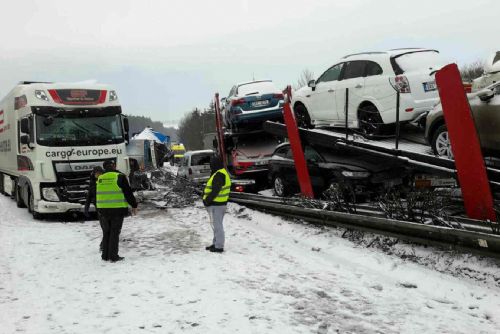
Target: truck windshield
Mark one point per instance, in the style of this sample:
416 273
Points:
68 130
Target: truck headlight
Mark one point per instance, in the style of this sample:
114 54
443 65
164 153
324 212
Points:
50 194
112 96
41 95
348 173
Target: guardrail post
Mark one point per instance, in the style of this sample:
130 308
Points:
465 145
220 131
296 145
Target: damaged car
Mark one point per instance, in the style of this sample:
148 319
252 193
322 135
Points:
364 175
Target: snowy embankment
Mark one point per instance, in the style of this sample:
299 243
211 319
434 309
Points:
275 277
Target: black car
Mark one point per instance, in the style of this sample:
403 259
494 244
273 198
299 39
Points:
363 174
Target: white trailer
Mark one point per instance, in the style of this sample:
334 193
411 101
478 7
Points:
52 136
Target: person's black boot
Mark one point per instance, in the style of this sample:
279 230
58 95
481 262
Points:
119 258
209 247
216 250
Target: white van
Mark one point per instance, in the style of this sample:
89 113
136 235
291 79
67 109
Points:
195 165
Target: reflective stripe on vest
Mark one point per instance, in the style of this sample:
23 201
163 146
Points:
108 194
223 195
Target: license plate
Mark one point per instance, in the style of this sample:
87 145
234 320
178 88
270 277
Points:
260 103
430 86
260 163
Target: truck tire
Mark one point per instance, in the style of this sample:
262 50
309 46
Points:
31 207
19 199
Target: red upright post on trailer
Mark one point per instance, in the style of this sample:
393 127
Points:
220 131
465 145
296 145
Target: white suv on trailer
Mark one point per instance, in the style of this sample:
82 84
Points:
372 79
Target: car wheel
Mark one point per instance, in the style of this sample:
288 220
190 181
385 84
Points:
441 142
279 186
19 198
302 117
31 207
370 122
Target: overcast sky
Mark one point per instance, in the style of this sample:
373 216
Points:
167 57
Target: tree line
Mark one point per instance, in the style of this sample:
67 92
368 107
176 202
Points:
195 125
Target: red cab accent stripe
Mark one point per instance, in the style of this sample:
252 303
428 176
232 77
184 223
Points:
55 96
102 97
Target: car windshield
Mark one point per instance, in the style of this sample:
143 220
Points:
68 130
256 88
418 61
200 159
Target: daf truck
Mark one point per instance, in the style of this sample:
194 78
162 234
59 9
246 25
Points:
52 136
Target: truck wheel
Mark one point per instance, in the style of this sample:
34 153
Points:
279 186
302 117
441 142
18 197
31 207
2 188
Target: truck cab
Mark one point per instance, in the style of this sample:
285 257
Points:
52 136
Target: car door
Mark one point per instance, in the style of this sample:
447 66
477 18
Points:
487 119
322 98
353 77
288 168
313 159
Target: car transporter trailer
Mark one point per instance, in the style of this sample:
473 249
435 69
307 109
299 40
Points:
479 231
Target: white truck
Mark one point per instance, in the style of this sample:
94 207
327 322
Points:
52 136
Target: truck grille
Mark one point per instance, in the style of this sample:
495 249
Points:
73 186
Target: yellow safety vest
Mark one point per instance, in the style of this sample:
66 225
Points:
108 194
223 195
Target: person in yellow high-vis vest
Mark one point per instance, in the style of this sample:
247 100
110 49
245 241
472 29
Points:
113 197
215 197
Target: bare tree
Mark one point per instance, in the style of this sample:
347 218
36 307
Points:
304 78
472 71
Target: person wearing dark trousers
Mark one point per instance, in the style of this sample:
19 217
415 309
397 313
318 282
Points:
90 199
215 198
113 196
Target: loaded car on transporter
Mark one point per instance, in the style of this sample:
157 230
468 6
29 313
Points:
372 79
51 137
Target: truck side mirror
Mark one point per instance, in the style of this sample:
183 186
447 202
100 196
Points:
25 125
25 139
126 129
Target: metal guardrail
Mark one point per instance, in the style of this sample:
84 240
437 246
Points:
472 237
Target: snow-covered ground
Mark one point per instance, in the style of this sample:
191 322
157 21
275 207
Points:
275 277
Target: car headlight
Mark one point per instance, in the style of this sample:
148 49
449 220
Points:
50 194
348 173
112 96
41 95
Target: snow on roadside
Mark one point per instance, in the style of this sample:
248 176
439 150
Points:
275 277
